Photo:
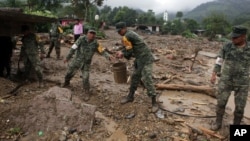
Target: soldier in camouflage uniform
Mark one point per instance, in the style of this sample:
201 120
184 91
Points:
233 64
30 53
84 49
136 47
55 37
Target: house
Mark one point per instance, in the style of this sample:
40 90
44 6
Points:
148 28
13 18
68 21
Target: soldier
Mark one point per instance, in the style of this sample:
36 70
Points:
84 49
5 55
232 64
135 46
30 53
55 38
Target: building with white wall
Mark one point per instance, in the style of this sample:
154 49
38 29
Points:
165 15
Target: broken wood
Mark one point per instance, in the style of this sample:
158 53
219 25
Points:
200 89
210 132
196 51
194 129
178 139
198 103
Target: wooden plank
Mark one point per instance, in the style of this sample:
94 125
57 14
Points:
208 54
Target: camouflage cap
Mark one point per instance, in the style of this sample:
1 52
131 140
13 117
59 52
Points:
238 30
120 25
92 30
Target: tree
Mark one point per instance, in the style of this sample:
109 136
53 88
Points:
87 4
11 3
125 14
147 18
191 24
51 5
179 14
216 23
104 12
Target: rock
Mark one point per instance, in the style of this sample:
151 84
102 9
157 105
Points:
53 110
62 138
129 116
152 135
160 114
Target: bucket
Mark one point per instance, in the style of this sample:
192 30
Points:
120 72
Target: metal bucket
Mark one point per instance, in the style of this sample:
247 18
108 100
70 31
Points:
120 72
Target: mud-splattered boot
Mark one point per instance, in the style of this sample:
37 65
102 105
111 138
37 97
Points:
40 84
237 119
218 122
155 105
128 98
86 95
65 84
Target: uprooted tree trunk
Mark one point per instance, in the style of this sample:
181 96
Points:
200 89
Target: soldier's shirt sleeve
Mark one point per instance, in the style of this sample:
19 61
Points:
219 60
40 44
100 48
102 51
73 48
126 43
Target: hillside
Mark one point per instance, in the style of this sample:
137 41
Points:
231 8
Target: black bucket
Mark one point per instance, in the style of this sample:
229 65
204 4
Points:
120 72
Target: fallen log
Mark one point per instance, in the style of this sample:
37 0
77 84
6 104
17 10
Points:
211 133
200 89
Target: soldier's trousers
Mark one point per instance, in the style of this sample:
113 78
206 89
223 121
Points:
32 61
54 42
143 72
5 63
74 67
240 99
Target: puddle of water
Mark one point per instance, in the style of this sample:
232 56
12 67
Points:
192 103
198 104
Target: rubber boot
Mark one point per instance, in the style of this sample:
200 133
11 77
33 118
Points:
155 106
58 56
237 119
128 98
86 95
65 84
48 54
218 122
41 84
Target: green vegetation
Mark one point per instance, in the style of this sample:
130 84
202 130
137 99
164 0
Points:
225 14
45 13
15 130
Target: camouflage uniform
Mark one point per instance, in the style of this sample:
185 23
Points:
234 77
84 52
55 37
30 54
136 47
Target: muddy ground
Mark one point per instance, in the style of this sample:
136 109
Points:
22 113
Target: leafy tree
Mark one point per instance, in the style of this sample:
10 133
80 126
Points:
179 14
125 14
51 5
216 23
191 24
104 12
147 18
11 3
87 4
